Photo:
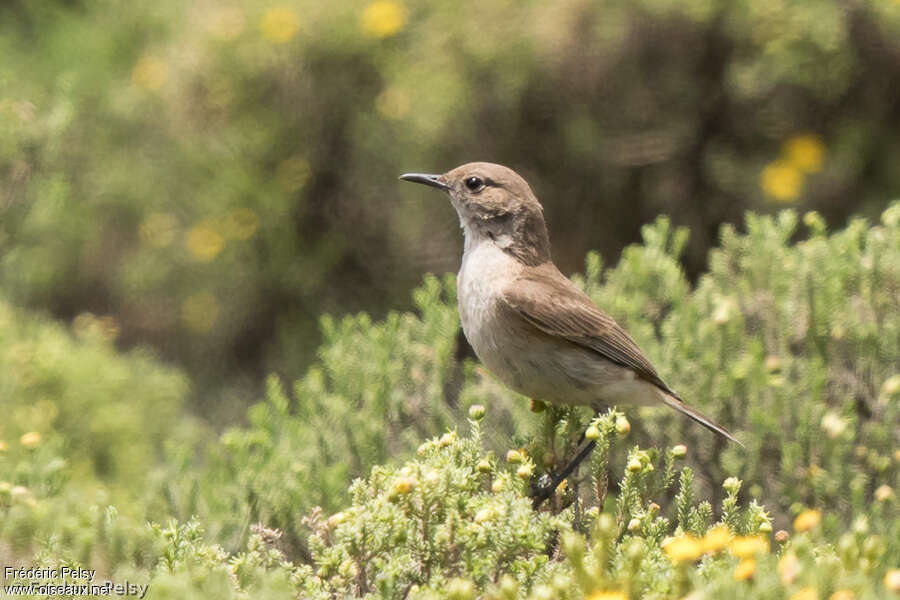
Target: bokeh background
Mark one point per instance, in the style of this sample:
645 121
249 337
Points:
206 178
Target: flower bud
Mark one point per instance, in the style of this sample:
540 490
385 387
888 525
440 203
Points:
476 412
679 451
484 466
447 439
592 433
622 425
525 471
404 485
514 456
883 493
781 536
732 485
634 465
634 525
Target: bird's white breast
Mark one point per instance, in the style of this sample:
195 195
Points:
525 359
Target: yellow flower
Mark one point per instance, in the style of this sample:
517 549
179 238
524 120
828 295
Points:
745 569
149 73
204 242
383 18
782 181
240 224
404 485
200 312
293 173
788 568
158 229
684 549
892 580
606 595
279 24
716 539
808 519
30 439
749 546
806 593
842 595
805 152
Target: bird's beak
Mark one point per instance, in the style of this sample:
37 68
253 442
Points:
432 180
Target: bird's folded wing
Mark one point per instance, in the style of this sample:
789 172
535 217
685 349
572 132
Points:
554 305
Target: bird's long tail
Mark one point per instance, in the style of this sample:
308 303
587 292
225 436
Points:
679 405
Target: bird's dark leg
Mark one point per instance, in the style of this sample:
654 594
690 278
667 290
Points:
545 492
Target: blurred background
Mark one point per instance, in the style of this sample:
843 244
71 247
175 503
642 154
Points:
209 177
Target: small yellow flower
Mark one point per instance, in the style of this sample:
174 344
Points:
745 569
842 595
892 580
684 549
204 242
883 493
404 485
200 312
279 24
806 520
788 568
606 595
158 229
240 224
149 73
383 18
30 440
806 593
782 181
749 546
805 152
716 539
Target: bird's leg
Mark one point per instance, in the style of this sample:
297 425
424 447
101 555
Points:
545 492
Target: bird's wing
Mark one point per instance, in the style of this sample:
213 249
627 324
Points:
555 305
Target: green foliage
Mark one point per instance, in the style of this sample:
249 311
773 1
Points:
216 178
377 391
76 409
790 344
793 346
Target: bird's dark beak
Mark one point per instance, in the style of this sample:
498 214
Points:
432 180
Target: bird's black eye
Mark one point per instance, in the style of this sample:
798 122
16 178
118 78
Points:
475 184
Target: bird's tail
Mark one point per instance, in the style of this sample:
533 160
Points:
679 405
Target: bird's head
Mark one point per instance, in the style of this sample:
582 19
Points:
495 205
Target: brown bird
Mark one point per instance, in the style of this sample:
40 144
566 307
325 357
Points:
527 322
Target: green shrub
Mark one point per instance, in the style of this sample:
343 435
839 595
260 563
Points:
791 344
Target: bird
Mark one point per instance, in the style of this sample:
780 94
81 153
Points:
529 324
